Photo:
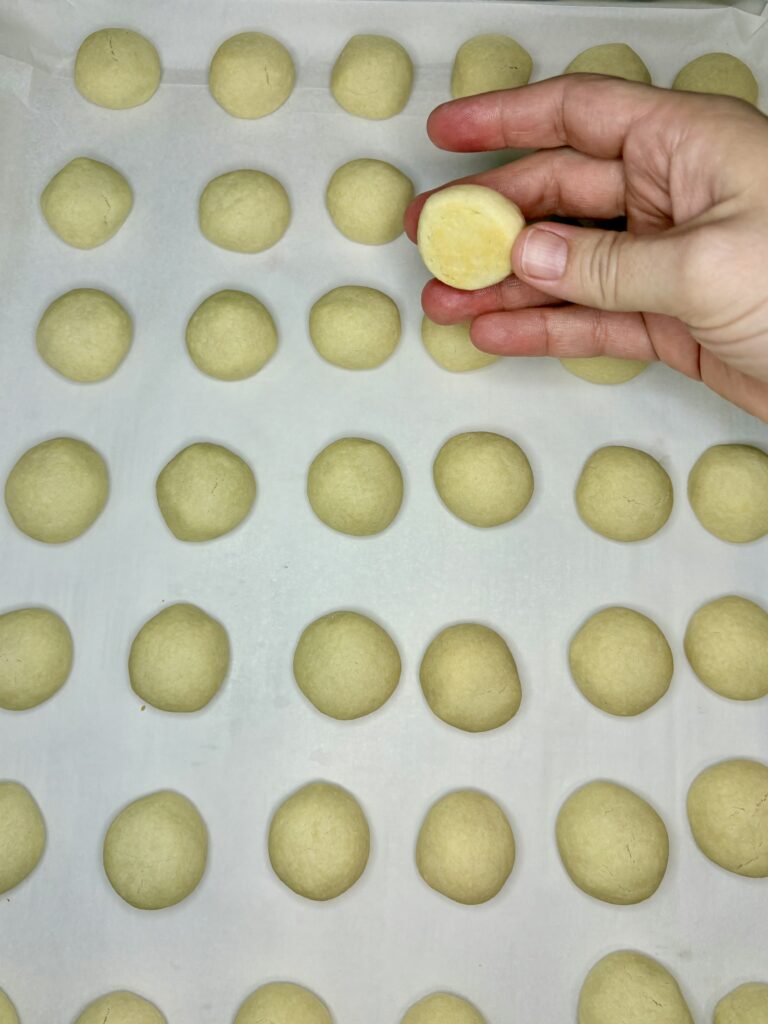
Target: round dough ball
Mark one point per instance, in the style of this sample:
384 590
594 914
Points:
355 486
367 200
86 203
626 987
8 1013
231 335
489 62
121 1008
466 233
443 1008
244 211
282 1002
615 59
84 335
346 665
205 491
155 850
451 347
57 490
466 849
720 73
726 643
35 657
728 492
621 661
22 834
484 479
117 68
372 77
747 1004
354 327
319 841
470 679
179 659
604 369
623 494
613 844
251 75
728 815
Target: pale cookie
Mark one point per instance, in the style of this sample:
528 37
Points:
121 1008
155 850
728 492
451 347
372 77
84 335
282 1002
604 369
443 1008
367 200
354 327
621 661
747 1004
8 1013
720 73
117 68
487 63
615 59
244 211
57 490
231 335
35 657
319 841
251 75
466 848
728 815
22 834
626 987
469 678
346 665
726 643
623 494
86 203
355 486
612 843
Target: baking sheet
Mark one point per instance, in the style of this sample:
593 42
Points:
65 937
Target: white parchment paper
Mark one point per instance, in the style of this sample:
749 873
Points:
65 936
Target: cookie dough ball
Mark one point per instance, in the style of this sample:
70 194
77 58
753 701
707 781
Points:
470 679
720 73
355 486
251 75
466 233
117 68
747 1004
354 327
604 369
372 77
8 1013
179 659
616 59
282 1002
319 841
244 211
621 661
22 834
484 479
726 643
367 200
630 988
466 849
623 494
728 815
443 1008
205 491
231 335
346 665
451 347
35 657
86 203
121 1008
728 492
487 63
57 490
155 850
84 335
612 843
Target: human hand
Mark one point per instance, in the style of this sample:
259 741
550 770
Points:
686 283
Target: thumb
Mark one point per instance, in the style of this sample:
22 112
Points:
611 270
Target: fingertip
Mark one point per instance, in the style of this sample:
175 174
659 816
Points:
412 214
443 304
435 123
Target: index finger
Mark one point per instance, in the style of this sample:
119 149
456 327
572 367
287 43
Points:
591 113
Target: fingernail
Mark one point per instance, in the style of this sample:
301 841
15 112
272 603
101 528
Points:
545 255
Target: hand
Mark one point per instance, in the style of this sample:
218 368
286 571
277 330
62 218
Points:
686 283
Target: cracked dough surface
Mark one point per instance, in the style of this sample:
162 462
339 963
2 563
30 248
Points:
483 478
22 834
624 494
627 987
489 62
84 335
728 815
121 1008
367 200
36 654
282 1002
244 211
354 327
117 68
726 643
251 75
355 486
231 335
728 492
443 1008
372 77
86 202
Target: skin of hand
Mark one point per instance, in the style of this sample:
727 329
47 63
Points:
686 282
